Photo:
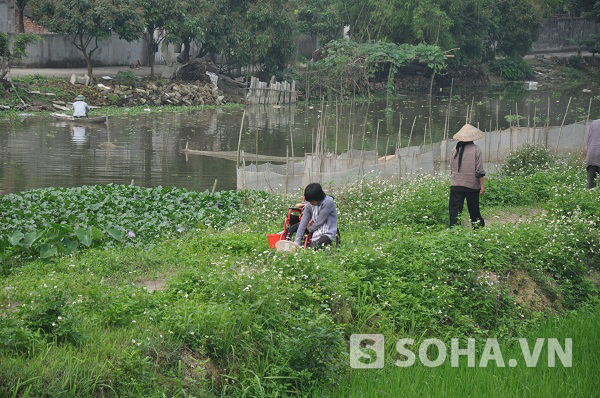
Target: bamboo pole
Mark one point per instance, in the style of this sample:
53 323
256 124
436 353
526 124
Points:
430 131
337 126
497 115
534 123
257 152
387 144
447 122
472 105
411 131
399 143
467 116
561 126
377 142
587 122
237 164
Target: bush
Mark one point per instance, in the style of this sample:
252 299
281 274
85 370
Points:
575 61
527 161
127 78
512 69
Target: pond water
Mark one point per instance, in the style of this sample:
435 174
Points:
147 149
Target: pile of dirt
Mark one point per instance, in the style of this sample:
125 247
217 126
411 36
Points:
539 293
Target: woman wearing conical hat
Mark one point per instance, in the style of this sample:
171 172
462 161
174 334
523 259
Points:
467 174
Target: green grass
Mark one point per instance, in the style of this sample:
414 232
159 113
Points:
237 319
580 380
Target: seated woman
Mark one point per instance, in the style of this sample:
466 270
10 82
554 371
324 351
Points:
318 218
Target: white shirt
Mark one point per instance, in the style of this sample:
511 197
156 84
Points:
80 109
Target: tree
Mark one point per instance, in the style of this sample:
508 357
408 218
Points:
20 11
88 21
15 50
188 23
243 32
155 15
516 25
319 18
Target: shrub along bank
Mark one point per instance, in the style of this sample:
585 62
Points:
214 312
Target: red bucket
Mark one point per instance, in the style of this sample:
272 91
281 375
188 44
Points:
274 238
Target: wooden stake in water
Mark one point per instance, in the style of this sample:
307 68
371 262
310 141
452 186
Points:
377 142
561 126
287 168
237 165
337 126
472 106
447 122
387 144
587 122
534 123
497 115
292 139
467 116
257 152
430 131
399 143
411 131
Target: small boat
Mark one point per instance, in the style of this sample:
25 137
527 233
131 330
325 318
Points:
67 118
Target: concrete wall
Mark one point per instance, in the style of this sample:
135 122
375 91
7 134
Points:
7 16
557 33
58 51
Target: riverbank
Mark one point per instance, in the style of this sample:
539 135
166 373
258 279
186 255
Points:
37 93
191 301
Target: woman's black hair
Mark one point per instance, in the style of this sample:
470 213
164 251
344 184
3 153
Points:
315 192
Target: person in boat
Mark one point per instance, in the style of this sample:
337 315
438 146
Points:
318 218
592 157
467 176
80 107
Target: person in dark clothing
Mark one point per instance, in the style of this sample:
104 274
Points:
467 176
295 219
592 158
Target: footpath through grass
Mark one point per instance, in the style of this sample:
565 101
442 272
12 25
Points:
142 298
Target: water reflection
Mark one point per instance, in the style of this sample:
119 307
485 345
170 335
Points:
78 135
148 149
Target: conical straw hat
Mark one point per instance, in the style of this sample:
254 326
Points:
468 133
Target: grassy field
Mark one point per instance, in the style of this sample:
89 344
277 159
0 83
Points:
520 381
163 292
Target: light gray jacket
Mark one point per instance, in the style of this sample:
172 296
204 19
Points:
325 217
